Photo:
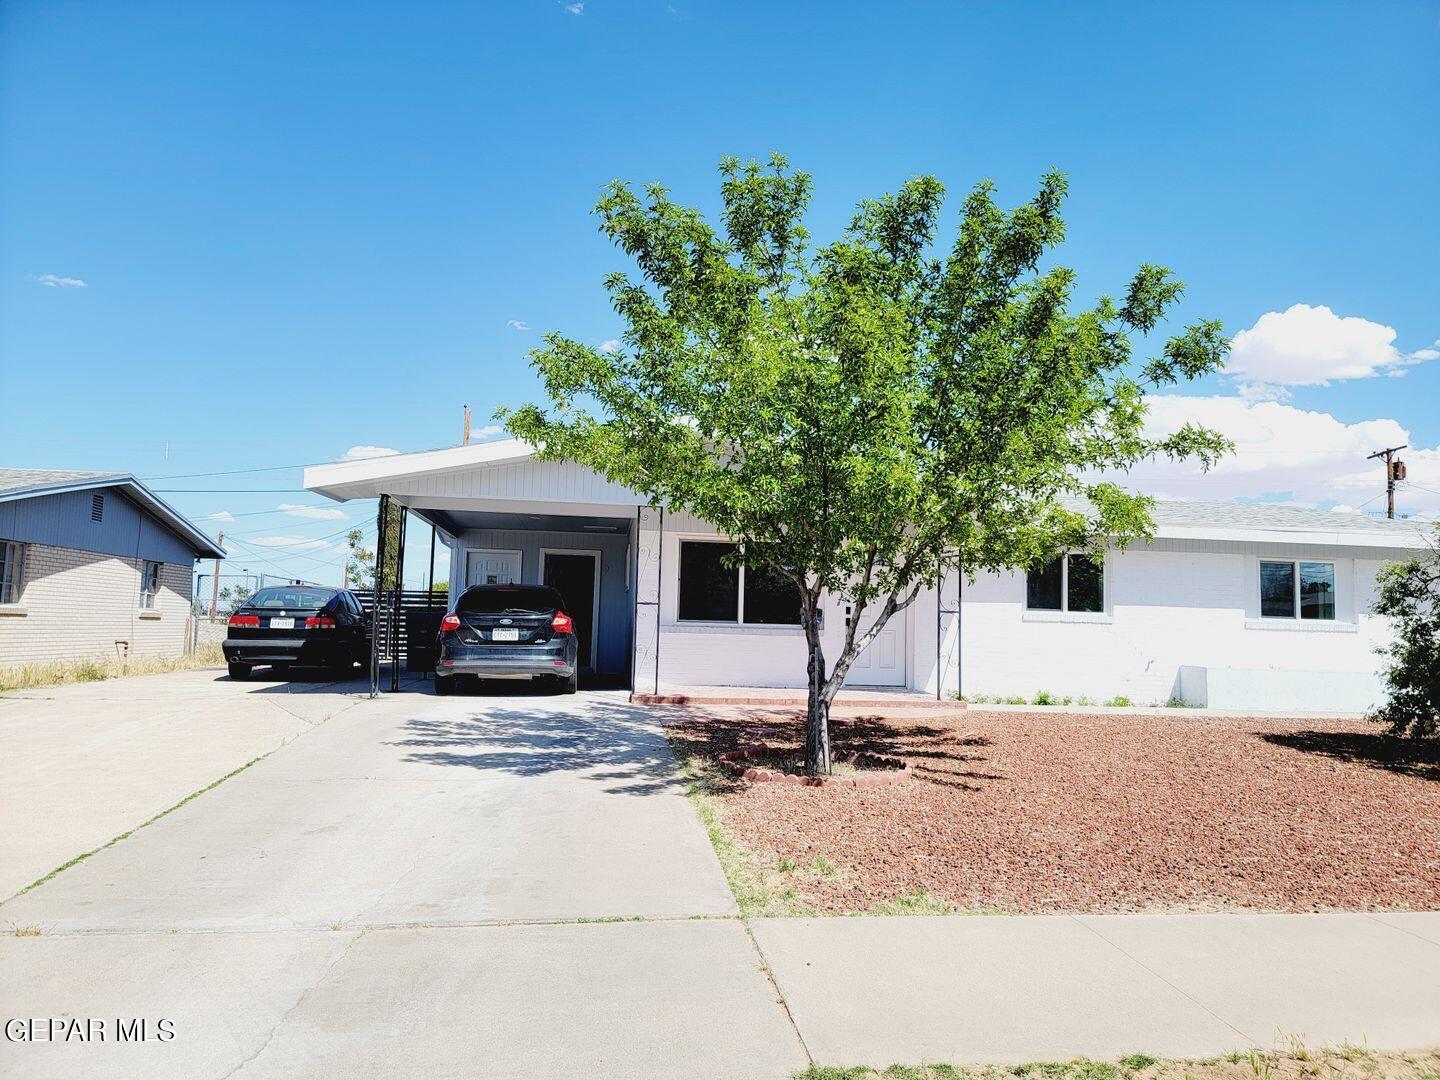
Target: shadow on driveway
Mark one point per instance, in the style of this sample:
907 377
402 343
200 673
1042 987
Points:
602 740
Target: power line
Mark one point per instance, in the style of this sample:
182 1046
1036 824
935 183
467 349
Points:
232 491
235 472
298 506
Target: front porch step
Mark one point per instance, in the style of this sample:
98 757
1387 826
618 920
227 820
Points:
845 702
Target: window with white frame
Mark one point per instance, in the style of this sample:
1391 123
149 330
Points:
1297 590
12 571
715 588
1068 583
149 586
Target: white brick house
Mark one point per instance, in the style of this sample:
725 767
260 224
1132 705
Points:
1185 616
92 565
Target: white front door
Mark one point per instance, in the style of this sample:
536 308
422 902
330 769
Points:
883 663
483 567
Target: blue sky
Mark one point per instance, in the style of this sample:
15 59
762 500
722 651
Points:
305 228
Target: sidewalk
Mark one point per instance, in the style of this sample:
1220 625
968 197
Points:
877 991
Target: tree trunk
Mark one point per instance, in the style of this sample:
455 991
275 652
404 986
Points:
817 708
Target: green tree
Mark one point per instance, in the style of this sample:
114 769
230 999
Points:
1410 596
861 415
360 563
234 597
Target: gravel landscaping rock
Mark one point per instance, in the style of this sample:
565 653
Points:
1029 812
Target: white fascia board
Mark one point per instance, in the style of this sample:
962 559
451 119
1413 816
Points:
363 479
1326 537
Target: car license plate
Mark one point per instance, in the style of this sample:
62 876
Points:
501 633
282 624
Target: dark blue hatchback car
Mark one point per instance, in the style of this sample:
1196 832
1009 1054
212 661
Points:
508 632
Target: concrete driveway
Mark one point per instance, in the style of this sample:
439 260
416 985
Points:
413 886
516 886
83 763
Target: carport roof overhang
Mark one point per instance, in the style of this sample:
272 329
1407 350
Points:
503 476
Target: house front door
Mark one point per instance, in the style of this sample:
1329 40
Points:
483 567
575 575
883 663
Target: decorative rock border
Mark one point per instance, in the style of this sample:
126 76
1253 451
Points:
892 770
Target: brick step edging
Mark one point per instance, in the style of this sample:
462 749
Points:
882 703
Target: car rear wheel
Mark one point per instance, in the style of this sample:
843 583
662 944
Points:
444 685
239 672
570 685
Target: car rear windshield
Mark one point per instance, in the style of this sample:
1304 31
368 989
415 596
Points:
516 599
291 596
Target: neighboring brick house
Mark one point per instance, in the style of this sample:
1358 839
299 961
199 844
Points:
92 565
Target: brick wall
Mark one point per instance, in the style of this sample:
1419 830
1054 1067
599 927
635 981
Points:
1169 604
78 604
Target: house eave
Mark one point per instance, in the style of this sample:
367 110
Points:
172 519
366 478
1397 539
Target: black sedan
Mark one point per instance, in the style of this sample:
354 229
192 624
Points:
305 625
508 632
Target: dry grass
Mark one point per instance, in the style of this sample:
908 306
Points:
93 669
1292 1063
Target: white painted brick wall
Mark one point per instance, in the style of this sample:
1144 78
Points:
78 604
1165 608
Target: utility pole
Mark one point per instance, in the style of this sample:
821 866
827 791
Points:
215 585
1394 470
465 439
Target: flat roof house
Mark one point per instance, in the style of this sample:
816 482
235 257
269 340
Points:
92 565
1231 605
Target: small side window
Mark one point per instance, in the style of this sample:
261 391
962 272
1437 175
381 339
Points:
149 586
12 571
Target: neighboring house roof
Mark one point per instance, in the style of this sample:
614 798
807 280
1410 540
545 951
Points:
17 484
1178 519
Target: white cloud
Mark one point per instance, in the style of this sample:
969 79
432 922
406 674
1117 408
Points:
1262 391
577 8
1311 346
51 281
314 513
294 543
517 324
610 346
221 515
360 453
1287 453
489 431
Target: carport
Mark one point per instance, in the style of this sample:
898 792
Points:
505 517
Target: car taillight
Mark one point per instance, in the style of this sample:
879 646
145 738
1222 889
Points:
244 620
450 622
319 622
562 623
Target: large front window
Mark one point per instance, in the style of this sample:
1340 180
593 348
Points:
1069 583
1304 590
711 591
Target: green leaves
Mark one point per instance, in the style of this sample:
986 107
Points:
861 411
1410 598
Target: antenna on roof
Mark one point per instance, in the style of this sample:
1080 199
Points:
465 439
1394 470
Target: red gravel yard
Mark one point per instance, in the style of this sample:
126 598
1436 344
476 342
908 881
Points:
1031 812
